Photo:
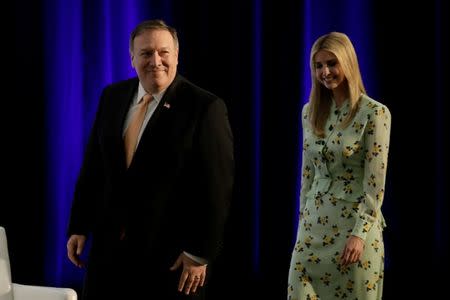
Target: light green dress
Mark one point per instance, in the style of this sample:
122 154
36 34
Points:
343 178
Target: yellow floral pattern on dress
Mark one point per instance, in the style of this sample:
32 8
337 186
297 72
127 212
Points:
342 190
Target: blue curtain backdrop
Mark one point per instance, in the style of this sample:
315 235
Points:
255 55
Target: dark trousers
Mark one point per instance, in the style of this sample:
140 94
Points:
118 271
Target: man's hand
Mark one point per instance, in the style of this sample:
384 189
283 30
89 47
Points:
75 246
193 275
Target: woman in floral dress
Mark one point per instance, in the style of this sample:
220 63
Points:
339 253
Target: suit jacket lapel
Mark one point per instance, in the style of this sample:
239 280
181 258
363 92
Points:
165 104
154 123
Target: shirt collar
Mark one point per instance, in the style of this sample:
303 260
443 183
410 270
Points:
141 92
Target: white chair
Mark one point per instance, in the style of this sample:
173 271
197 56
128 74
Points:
14 291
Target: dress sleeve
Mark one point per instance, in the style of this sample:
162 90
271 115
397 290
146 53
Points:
376 145
307 165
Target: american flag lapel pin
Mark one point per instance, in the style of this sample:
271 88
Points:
167 105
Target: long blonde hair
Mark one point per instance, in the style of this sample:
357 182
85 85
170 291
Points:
320 98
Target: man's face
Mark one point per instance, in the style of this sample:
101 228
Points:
155 59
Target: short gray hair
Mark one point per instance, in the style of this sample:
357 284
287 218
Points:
153 25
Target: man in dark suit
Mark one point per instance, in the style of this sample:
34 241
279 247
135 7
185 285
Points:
156 180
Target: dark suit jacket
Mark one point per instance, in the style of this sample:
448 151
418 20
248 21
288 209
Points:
175 195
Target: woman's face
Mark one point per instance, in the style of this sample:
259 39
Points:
328 69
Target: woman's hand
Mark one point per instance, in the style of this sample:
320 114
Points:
352 251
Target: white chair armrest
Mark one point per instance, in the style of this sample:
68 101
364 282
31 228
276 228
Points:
33 292
5 281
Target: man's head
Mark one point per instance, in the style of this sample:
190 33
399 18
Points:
154 54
